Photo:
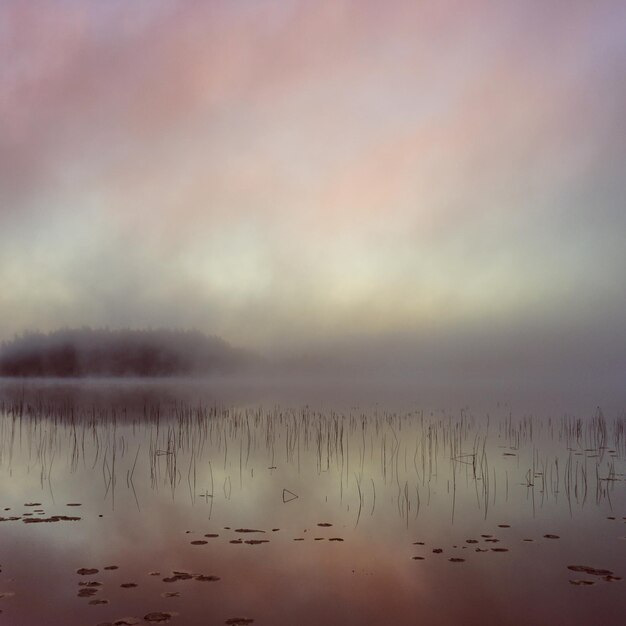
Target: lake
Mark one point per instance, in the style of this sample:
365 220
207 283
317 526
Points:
218 503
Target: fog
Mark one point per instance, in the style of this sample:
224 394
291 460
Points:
431 192
493 373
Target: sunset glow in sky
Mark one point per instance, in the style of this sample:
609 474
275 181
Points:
292 172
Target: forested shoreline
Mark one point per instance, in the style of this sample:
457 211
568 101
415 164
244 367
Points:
102 352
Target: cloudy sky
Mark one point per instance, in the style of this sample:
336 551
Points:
294 175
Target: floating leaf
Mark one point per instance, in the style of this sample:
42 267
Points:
157 617
590 570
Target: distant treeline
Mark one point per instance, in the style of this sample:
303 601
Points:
95 352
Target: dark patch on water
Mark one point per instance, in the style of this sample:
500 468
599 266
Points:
590 570
157 617
178 576
86 592
54 518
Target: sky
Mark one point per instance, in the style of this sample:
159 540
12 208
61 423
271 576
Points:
426 181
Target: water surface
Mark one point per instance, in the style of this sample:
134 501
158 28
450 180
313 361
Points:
363 512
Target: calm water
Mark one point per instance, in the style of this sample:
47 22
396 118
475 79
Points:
363 513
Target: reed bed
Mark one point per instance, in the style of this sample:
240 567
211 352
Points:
212 452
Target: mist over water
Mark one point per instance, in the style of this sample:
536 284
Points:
312 313
331 390
241 498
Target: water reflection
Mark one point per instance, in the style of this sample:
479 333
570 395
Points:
150 506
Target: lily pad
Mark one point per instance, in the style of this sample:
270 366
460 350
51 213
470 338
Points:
157 617
86 592
592 571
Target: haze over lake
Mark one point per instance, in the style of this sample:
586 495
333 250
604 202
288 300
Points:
312 312
188 501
